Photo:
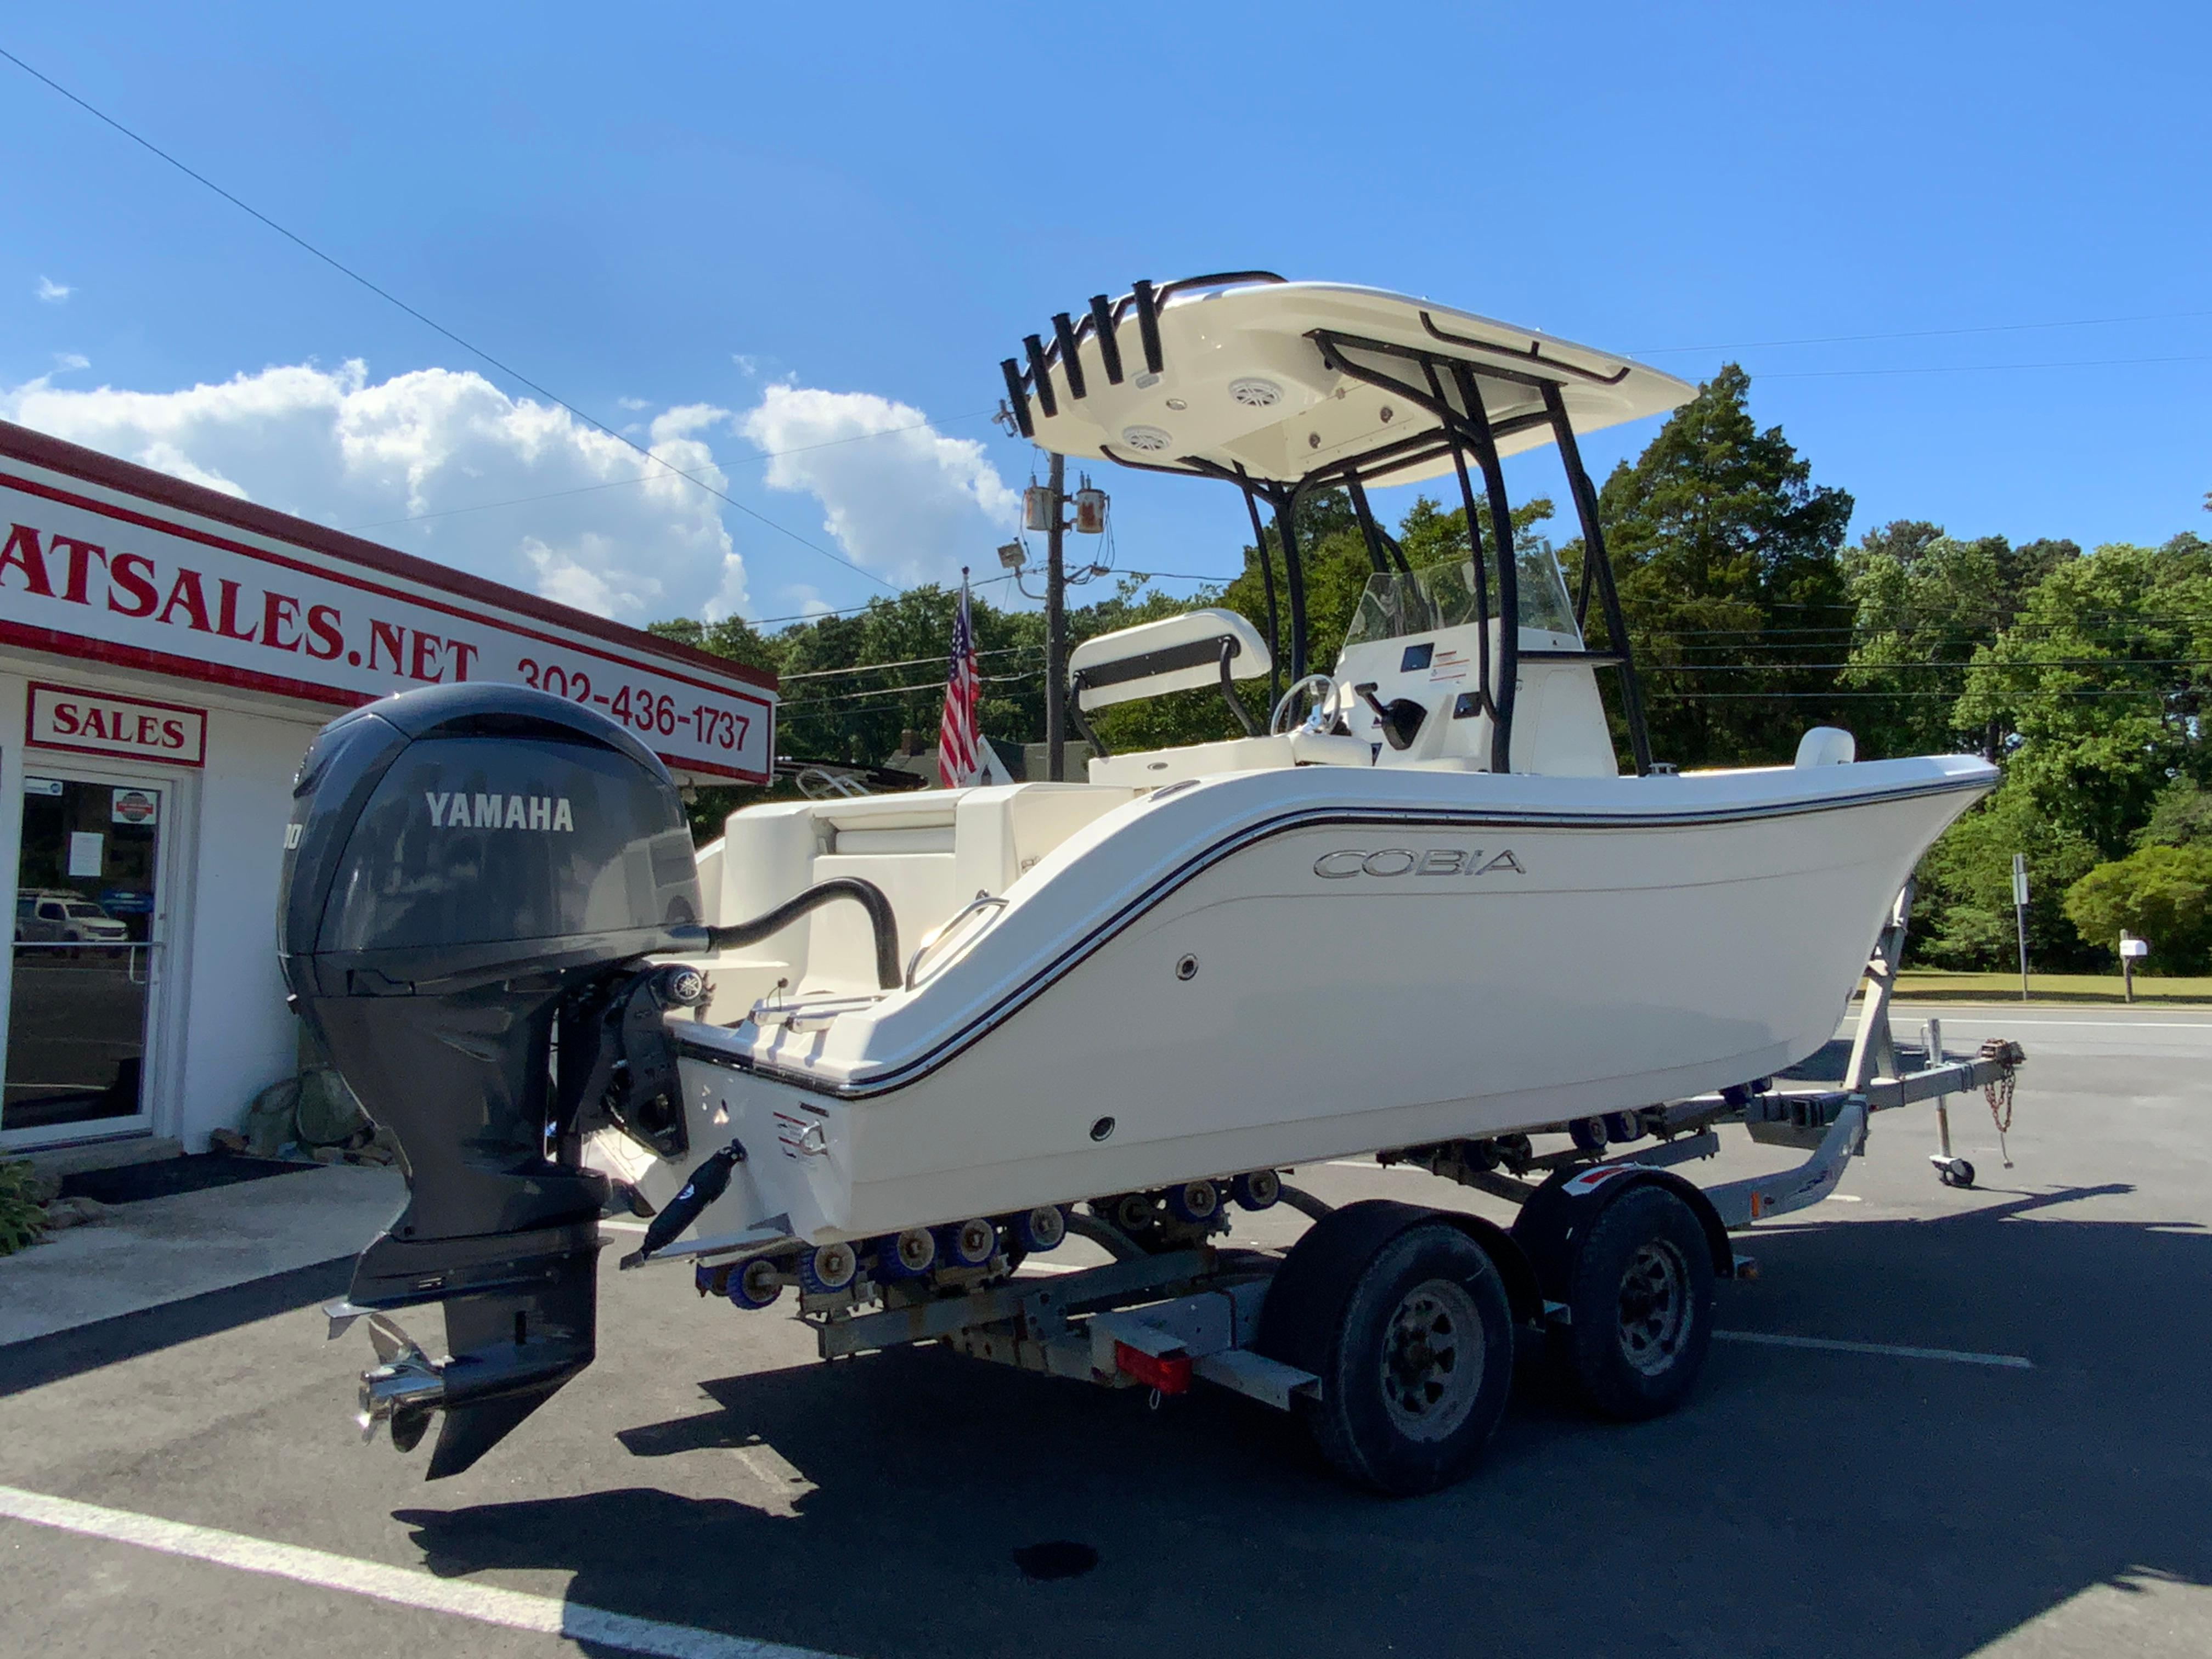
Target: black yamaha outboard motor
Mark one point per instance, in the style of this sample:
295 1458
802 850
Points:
473 875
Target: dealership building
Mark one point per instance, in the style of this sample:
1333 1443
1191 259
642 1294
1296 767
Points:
166 652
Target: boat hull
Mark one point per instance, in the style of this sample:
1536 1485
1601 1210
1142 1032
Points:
1316 977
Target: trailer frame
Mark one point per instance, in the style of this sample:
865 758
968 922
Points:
1187 1309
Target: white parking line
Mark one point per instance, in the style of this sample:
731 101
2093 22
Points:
404 1586
1773 1340
1900 1014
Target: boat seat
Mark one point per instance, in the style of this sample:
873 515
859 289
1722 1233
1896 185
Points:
1207 647
930 852
1827 745
1148 768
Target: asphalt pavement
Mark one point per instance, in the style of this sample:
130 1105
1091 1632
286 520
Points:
709 1486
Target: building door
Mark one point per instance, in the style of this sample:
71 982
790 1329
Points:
87 957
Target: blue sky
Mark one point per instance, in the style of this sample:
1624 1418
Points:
804 225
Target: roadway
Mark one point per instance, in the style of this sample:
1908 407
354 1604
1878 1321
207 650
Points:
708 1487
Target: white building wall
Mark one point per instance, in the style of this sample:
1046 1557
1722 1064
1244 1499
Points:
238 1036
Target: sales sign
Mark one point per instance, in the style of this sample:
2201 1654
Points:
91 723
108 562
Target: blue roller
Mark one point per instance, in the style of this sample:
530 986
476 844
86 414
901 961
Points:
917 1257
1258 1190
1039 1229
1195 1201
967 1243
755 1284
829 1268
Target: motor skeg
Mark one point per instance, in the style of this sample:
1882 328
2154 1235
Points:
472 871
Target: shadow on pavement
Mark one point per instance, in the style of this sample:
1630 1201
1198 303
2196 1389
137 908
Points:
1802 1501
44 1359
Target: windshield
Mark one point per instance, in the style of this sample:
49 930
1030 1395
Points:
1442 596
84 912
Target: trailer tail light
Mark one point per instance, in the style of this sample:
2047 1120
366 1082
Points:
1170 1375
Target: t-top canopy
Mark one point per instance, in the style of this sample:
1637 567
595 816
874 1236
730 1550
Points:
1282 381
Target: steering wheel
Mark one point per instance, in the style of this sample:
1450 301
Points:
1324 713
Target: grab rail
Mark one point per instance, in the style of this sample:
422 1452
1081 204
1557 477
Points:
937 935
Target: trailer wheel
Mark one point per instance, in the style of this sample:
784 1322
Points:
1640 1306
1418 1371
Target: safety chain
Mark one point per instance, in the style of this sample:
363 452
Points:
1999 1093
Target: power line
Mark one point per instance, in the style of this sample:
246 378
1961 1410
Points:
1823 696
1969 666
851 609
900 690
1924 333
1980 369
384 293
908 662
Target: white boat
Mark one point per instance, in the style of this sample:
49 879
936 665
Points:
1433 908
1423 913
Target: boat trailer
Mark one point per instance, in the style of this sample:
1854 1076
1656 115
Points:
1610 1262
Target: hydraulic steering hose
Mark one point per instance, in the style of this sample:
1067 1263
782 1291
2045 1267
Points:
869 896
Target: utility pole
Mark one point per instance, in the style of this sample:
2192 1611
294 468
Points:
1055 627
2019 910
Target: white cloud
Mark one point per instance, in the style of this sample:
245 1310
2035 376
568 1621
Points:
803 600
66 360
632 403
53 293
909 503
604 532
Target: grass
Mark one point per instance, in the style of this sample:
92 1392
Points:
22 1218
1935 982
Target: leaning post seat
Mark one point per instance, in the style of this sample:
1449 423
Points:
1210 647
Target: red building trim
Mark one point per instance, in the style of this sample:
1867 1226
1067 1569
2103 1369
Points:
37 448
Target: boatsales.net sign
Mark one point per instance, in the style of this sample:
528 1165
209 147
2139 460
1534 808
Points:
126 579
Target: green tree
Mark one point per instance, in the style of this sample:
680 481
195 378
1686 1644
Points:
1724 549
2100 681
1923 604
2180 817
732 637
1964 917
2159 894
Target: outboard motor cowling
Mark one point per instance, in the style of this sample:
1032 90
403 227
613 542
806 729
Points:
472 876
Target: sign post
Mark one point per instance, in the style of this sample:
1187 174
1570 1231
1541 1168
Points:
2020 910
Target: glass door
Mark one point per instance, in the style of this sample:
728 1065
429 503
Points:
86 957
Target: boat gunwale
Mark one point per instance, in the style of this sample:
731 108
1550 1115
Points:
906 1073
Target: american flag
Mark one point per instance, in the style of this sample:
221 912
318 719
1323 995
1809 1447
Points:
959 745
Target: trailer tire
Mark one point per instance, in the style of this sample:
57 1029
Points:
1415 1375
1640 1303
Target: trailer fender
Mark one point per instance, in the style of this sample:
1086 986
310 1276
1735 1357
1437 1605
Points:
1566 1207
1306 1300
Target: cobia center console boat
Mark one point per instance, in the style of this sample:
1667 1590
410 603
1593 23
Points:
879 1051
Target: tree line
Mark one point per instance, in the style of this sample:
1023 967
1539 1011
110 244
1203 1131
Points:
1751 616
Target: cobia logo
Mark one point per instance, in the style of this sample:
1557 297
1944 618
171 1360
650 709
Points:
1406 861
461 810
